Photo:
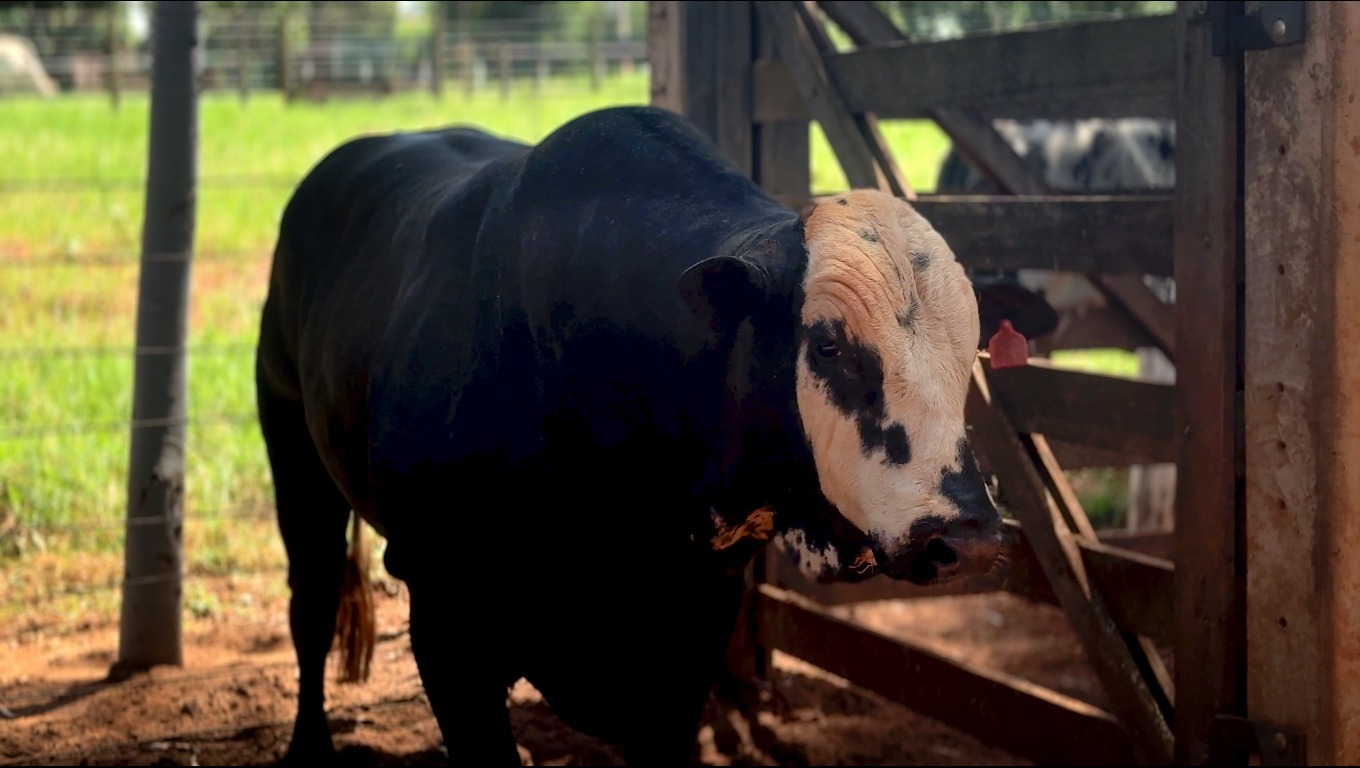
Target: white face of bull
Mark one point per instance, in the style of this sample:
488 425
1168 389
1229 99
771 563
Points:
890 337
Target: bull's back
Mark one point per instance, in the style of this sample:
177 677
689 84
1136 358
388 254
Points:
348 240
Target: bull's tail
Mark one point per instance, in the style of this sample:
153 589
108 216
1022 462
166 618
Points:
354 624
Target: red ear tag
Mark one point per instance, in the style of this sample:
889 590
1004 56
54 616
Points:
1008 347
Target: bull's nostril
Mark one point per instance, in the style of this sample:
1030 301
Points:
940 552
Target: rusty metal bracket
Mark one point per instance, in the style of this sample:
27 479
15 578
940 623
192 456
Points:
1236 740
1252 26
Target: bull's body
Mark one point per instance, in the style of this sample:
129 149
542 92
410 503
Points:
480 347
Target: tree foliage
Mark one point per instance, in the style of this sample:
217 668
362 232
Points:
923 20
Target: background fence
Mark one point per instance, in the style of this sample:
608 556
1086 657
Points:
71 196
318 48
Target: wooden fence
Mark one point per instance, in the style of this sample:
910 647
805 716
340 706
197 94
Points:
752 76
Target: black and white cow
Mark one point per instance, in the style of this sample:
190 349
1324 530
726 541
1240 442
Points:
576 386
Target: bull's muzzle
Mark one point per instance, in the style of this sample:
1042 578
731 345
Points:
940 550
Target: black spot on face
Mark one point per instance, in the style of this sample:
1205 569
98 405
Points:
920 261
853 377
909 319
966 488
842 201
897 444
869 235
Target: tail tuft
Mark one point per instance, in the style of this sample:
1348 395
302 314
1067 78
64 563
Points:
354 624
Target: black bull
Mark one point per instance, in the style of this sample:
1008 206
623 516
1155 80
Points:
547 376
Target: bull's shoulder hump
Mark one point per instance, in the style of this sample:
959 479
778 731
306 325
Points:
395 155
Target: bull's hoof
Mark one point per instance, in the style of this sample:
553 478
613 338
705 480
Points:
309 746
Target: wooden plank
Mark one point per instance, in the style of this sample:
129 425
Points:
1153 315
1075 456
1138 585
1302 270
733 117
863 22
1210 622
783 164
1127 68
889 173
973 136
977 140
1154 542
1109 235
683 53
1144 653
1058 551
821 91
1097 328
1132 417
1014 714
701 55
665 54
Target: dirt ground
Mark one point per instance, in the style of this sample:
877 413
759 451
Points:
232 701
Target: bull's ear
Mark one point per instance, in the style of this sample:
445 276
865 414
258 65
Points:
723 288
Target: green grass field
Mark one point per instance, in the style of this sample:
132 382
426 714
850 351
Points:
70 220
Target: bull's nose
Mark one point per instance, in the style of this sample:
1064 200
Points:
939 550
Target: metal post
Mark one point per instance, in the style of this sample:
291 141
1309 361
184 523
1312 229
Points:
153 558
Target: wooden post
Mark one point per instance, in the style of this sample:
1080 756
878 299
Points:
1209 505
285 73
503 69
782 151
243 53
623 32
466 64
115 54
439 26
150 631
701 57
597 65
542 69
701 69
1303 372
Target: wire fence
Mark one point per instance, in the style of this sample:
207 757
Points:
68 269
300 51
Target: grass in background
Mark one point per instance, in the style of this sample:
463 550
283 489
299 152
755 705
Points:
71 191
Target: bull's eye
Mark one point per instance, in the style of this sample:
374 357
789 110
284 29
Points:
828 350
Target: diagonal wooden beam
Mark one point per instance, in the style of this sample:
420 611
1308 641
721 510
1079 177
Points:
1141 649
987 150
1057 547
863 22
973 135
1153 315
855 139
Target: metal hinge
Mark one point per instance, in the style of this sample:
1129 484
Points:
1252 26
1236 740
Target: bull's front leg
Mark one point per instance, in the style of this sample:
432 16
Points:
669 734
682 686
466 692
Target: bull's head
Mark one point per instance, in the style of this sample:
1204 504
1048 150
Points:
883 339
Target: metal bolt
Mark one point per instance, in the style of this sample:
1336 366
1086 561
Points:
1201 8
1277 30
